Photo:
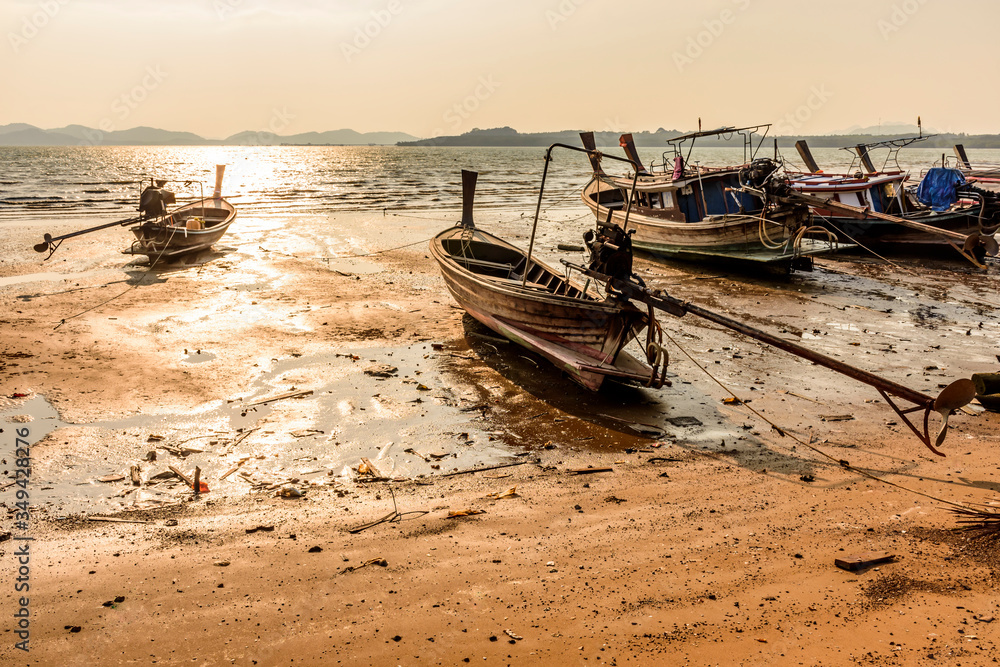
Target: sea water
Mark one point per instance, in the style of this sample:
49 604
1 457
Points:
104 181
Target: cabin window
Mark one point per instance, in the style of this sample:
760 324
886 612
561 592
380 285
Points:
849 198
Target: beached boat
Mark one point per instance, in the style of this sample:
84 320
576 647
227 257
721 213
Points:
685 211
583 332
187 229
964 208
162 233
536 306
986 174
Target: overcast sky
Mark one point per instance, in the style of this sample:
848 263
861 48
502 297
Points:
427 67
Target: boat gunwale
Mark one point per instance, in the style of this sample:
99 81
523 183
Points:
586 302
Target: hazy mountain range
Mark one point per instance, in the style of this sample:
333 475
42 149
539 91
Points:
506 136
22 134
893 127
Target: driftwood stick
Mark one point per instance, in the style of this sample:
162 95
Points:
472 470
280 397
187 480
233 469
240 438
587 471
371 467
371 524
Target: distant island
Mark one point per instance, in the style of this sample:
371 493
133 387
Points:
506 136
22 134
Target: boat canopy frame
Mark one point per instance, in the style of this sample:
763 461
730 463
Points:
595 157
893 146
677 144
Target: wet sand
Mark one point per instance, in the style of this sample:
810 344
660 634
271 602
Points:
704 544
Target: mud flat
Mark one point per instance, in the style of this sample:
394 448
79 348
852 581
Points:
709 539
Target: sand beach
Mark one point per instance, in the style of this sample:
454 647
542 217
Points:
709 539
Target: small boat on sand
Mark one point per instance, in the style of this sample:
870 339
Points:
189 228
161 233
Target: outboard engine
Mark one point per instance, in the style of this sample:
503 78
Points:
758 173
611 250
154 200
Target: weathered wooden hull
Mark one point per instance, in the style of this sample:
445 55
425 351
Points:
170 237
580 333
888 234
870 192
725 237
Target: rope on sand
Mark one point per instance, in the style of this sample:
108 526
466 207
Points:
965 509
149 270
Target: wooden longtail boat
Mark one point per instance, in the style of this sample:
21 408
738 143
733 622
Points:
698 213
881 189
162 233
189 228
873 208
535 306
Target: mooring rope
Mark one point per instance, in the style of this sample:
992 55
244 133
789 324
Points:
149 269
863 246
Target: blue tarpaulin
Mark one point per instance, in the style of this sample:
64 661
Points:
939 189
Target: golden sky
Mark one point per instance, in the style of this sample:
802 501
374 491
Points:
427 67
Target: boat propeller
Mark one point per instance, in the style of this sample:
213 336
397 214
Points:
953 397
46 244
979 245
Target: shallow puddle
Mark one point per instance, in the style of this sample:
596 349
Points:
42 277
413 411
408 422
197 357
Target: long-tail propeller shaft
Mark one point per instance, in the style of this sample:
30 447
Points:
51 243
956 395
